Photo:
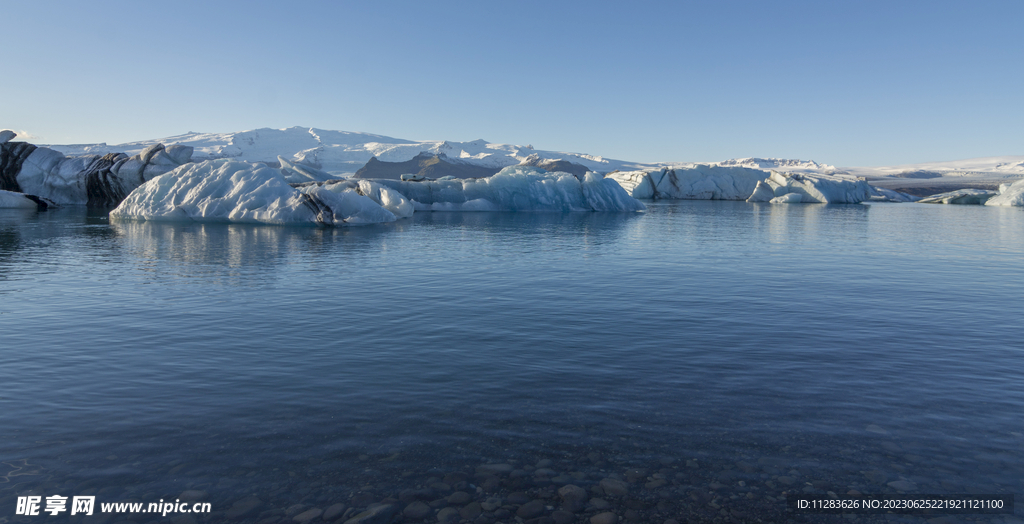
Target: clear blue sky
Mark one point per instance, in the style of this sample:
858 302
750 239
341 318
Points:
847 83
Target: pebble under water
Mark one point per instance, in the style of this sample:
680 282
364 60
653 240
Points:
695 363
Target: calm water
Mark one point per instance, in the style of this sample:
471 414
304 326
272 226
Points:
794 348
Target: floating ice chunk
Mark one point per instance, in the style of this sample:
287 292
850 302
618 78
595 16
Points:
1009 195
701 182
881 194
788 198
518 188
606 195
637 183
824 189
975 197
10 199
7 135
229 191
762 193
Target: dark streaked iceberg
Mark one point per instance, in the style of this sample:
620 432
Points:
98 180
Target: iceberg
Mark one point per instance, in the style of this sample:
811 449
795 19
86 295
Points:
232 191
99 180
1009 195
718 182
975 197
788 198
246 192
10 199
518 188
822 189
763 192
701 182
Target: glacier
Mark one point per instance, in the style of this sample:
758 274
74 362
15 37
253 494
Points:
1009 195
246 192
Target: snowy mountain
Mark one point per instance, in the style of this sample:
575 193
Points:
781 164
344 153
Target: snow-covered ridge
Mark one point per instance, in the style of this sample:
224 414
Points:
783 164
342 152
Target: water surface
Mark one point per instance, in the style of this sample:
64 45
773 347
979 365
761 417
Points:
791 347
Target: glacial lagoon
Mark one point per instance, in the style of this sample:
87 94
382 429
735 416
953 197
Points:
696 362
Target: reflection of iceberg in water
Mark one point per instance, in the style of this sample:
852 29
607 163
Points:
816 223
206 249
591 228
199 250
11 240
